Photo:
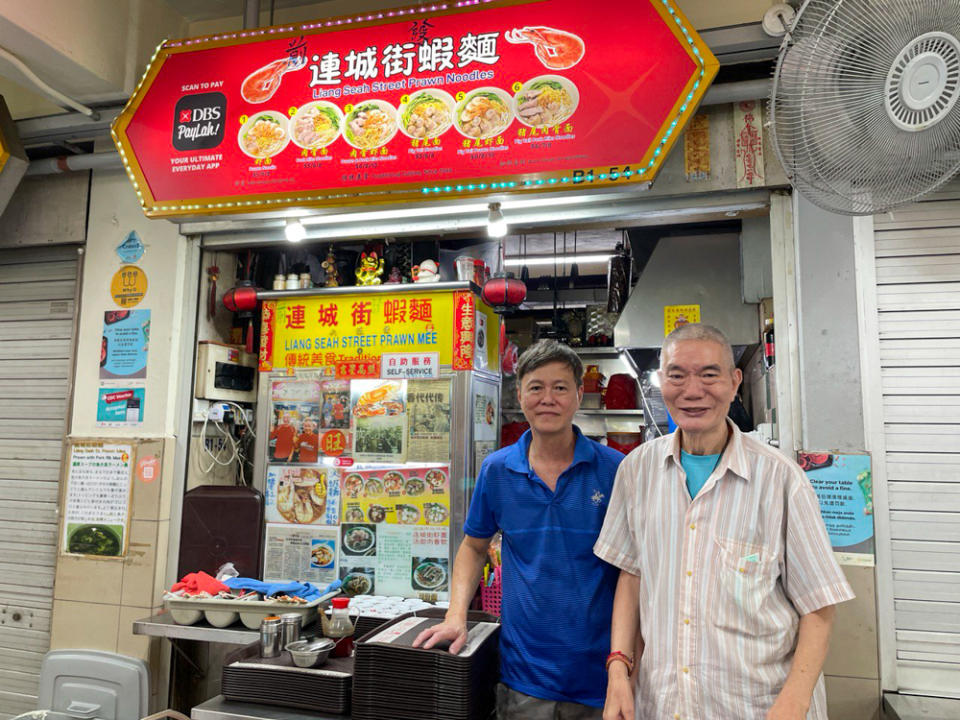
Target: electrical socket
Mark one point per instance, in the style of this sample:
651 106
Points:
200 409
216 411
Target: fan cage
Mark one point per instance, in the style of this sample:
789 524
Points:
830 111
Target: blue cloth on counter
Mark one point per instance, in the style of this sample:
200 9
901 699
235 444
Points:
307 591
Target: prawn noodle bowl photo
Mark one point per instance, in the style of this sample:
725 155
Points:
546 101
428 114
357 583
484 113
316 125
264 135
358 538
370 124
430 575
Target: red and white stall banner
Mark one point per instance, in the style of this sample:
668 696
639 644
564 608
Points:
448 99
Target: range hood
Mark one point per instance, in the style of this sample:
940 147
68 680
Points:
13 160
699 270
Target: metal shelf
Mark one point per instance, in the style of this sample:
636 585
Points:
597 351
163 626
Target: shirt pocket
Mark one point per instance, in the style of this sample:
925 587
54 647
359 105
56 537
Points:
746 580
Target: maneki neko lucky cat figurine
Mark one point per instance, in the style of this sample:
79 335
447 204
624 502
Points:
425 272
369 269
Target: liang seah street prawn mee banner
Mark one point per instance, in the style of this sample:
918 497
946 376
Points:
454 98
351 332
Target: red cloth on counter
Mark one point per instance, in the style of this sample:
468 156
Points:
199 582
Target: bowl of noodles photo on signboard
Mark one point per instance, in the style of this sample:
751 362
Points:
429 574
427 114
315 125
264 134
546 100
370 124
484 113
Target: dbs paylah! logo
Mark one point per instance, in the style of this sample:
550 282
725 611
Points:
198 121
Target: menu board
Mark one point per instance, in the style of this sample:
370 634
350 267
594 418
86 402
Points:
98 498
443 99
395 531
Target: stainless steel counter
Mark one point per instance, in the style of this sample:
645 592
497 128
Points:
164 626
219 708
919 707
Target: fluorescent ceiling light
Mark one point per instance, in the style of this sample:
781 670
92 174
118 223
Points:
294 230
496 224
559 259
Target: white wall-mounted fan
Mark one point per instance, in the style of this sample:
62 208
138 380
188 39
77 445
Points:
864 107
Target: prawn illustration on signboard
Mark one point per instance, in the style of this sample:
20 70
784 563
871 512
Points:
556 49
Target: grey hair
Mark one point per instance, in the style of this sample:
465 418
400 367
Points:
698 331
544 352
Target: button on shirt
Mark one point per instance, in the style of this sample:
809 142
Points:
724 578
557 596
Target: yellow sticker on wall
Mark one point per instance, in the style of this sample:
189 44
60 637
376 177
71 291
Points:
676 315
128 286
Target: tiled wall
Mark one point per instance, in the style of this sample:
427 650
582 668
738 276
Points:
97 600
852 670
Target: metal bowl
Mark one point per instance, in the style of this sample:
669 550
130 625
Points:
310 653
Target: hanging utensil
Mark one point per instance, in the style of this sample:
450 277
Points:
524 271
574 269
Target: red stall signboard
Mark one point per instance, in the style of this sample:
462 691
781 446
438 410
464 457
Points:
455 98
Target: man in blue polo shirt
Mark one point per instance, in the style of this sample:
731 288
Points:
548 495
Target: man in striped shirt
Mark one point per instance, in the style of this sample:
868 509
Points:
727 578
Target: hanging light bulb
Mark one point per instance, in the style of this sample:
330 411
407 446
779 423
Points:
496 224
294 230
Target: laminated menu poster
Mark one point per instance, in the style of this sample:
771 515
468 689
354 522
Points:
428 411
397 496
98 499
386 559
307 553
844 487
379 409
302 495
309 420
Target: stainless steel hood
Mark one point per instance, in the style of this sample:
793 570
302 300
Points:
699 270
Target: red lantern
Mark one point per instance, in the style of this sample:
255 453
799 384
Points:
240 299
503 292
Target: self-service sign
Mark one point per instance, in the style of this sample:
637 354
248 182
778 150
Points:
448 99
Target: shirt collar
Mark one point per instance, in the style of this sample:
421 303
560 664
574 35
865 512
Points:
734 456
519 460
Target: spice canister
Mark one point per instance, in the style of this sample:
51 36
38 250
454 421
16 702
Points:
270 636
290 625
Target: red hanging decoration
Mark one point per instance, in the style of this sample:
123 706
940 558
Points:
503 292
240 299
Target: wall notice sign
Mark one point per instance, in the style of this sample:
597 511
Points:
844 487
128 286
124 345
676 315
417 366
131 249
748 138
434 100
120 406
97 499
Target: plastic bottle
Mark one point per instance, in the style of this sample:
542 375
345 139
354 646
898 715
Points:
769 347
340 629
